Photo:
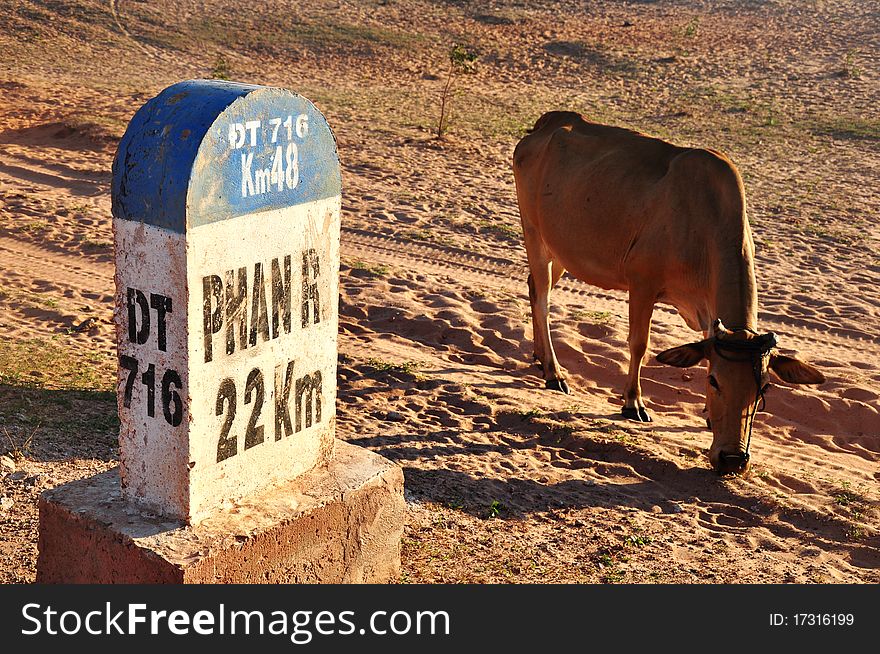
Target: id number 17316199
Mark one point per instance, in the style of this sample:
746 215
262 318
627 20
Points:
812 620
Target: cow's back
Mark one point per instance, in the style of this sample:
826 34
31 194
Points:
610 203
597 139
563 148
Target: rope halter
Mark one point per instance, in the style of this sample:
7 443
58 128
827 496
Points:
752 350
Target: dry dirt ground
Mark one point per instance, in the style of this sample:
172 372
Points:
506 482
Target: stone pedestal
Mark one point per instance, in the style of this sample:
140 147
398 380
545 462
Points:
339 523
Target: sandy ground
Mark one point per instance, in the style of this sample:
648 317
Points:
506 481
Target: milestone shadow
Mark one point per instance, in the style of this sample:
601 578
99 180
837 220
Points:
56 425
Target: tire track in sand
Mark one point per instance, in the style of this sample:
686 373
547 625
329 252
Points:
62 269
501 273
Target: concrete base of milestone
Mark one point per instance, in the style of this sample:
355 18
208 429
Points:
337 524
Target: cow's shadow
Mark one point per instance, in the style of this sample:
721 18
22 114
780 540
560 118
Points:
656 483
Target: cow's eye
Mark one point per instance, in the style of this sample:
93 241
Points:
713 382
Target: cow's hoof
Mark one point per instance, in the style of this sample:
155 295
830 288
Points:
635 413
644 415
558 385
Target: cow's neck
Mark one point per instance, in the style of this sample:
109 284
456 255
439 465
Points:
735 296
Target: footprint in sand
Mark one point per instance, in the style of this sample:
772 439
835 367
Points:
46 285
726 518
859 394
790 484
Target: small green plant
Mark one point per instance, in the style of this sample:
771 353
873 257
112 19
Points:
770 117
599 317
96 243
855 532
418 235
529 414
495 509
35 227
624 436
613 576
20 445
378 270
691 29
561 432
221 69
637 540
850 68
498 228
462 61
846 497
408 367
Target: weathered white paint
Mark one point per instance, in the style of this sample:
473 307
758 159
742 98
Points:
153 454
261 238
176 469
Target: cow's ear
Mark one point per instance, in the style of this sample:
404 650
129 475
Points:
684 356
795 371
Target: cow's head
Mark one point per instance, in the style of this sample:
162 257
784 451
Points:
739 365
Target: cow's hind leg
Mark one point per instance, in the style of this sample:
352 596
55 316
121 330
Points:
641 308
556 272
538 353
544 275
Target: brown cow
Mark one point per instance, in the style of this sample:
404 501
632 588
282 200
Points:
622 210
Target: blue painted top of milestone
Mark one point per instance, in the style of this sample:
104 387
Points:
203 151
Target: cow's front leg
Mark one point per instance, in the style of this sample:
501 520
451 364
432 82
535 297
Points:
539 354
641 308
708 390
541 281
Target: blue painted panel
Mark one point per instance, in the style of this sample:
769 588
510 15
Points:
207 150
268 150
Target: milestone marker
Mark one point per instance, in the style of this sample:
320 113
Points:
226 218
227 260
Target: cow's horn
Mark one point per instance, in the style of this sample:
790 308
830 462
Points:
718 326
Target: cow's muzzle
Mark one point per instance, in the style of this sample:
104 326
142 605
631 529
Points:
732 463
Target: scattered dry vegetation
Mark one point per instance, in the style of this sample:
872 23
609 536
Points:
504 482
